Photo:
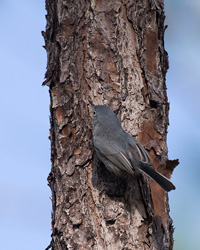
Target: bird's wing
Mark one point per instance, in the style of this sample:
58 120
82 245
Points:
125 149
115 153
137 151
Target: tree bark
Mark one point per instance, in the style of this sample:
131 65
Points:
110 52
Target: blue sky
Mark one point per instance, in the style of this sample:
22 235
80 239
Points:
182 41
25 149
25 209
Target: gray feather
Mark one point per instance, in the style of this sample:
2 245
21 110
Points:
120 152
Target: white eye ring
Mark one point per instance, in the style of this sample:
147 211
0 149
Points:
94 113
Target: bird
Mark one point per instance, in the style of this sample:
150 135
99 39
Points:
121 153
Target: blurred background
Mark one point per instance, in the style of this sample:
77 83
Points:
25 211
182 42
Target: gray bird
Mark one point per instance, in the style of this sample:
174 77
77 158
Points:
120 152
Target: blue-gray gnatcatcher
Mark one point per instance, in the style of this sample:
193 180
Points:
120 152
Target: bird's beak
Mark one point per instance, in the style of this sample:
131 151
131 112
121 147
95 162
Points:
91 103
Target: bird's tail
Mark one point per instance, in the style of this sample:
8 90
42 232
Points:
165 183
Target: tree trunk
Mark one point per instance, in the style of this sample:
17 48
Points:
110 52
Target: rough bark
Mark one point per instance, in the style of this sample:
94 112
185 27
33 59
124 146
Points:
111 52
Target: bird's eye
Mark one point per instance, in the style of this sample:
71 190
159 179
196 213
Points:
94 113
